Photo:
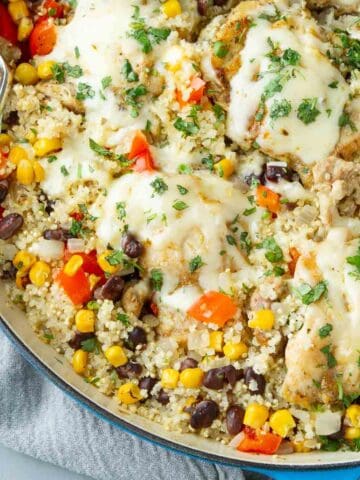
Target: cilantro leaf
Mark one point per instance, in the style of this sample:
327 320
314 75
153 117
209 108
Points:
307 110
156 279
325 330
195 263
310 294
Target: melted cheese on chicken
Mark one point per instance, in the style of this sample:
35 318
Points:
306 363
289 84
176 228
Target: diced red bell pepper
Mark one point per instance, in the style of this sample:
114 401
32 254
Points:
143 163
54 9
154 308
78 216
213 307
77 287
197 86
90 264
43 38
266 443
268 199
139 145
8 29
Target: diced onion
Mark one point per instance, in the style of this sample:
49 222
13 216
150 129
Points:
8 251
237 439
48 249
76 245
126 271
327 423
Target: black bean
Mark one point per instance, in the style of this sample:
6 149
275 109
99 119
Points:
188 363
234 419
59 234
131 246
136 337
10 225
163 397
250 376
205 412
202 6
4 189
147 383
78 338
220 3
12 118
111 290
216 378
129 370
8 271
274 172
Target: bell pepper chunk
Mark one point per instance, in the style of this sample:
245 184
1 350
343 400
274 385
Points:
77 287
90 264
268 199
8 29
213 307
294 254
54 9
43 38
139 145
197 86
143 163
266 443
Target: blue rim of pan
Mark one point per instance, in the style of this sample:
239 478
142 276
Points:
145 435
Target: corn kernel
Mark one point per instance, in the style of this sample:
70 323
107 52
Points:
39 273
300 447
256 415
45 70
5 139
85 321
282 422
216 340
23 261
26 74
18 10
191 377
44 146
263 319
104 263
31 137
225 168
73 265
352 433
129 393
169 378
17 153
93 281
171 8
116 356
39 172
79 361
24 29
353 414
25 172
234 351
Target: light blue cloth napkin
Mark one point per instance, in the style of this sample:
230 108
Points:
37 419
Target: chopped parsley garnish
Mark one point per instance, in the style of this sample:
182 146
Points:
351 46
220 49
129 73
208 162
276 272
123 318
132 96
355 262
52 158
187 128
58 72
219 112
307 110
77 52
106 82
184 169
280 108
325 330
159 186
182 190
84 91
230 240
249 211
115 258
333 84
331 360
245 242
146 36
156 279
195 263
344 120
90 345
309 294
99 149
76 228
64 171
120 210
273 252
180 205
329 444
93 305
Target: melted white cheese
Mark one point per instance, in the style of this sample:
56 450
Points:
287 136
172 237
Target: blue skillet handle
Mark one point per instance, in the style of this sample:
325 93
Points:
334 474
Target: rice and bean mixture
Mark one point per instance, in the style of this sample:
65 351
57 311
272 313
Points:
179 217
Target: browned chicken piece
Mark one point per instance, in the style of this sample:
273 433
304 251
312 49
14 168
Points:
324 353
342 6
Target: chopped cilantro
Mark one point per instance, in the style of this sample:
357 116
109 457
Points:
280 108
120 210
132 98
219 112
344 120
93 305
325 330
64 171
333 84
123 318
156 279
331 361
355 262
273 252
180 205
329 444
52 158
245 242
220 49
90 345
195 263
230 240
76 228
184 169
77 52
146 36
307 110
106 82
249 211
187 128
310 294
159 186
208 162
115 258
99 149
84 91
182 190
129 73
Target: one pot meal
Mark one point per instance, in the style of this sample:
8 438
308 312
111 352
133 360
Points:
180 208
